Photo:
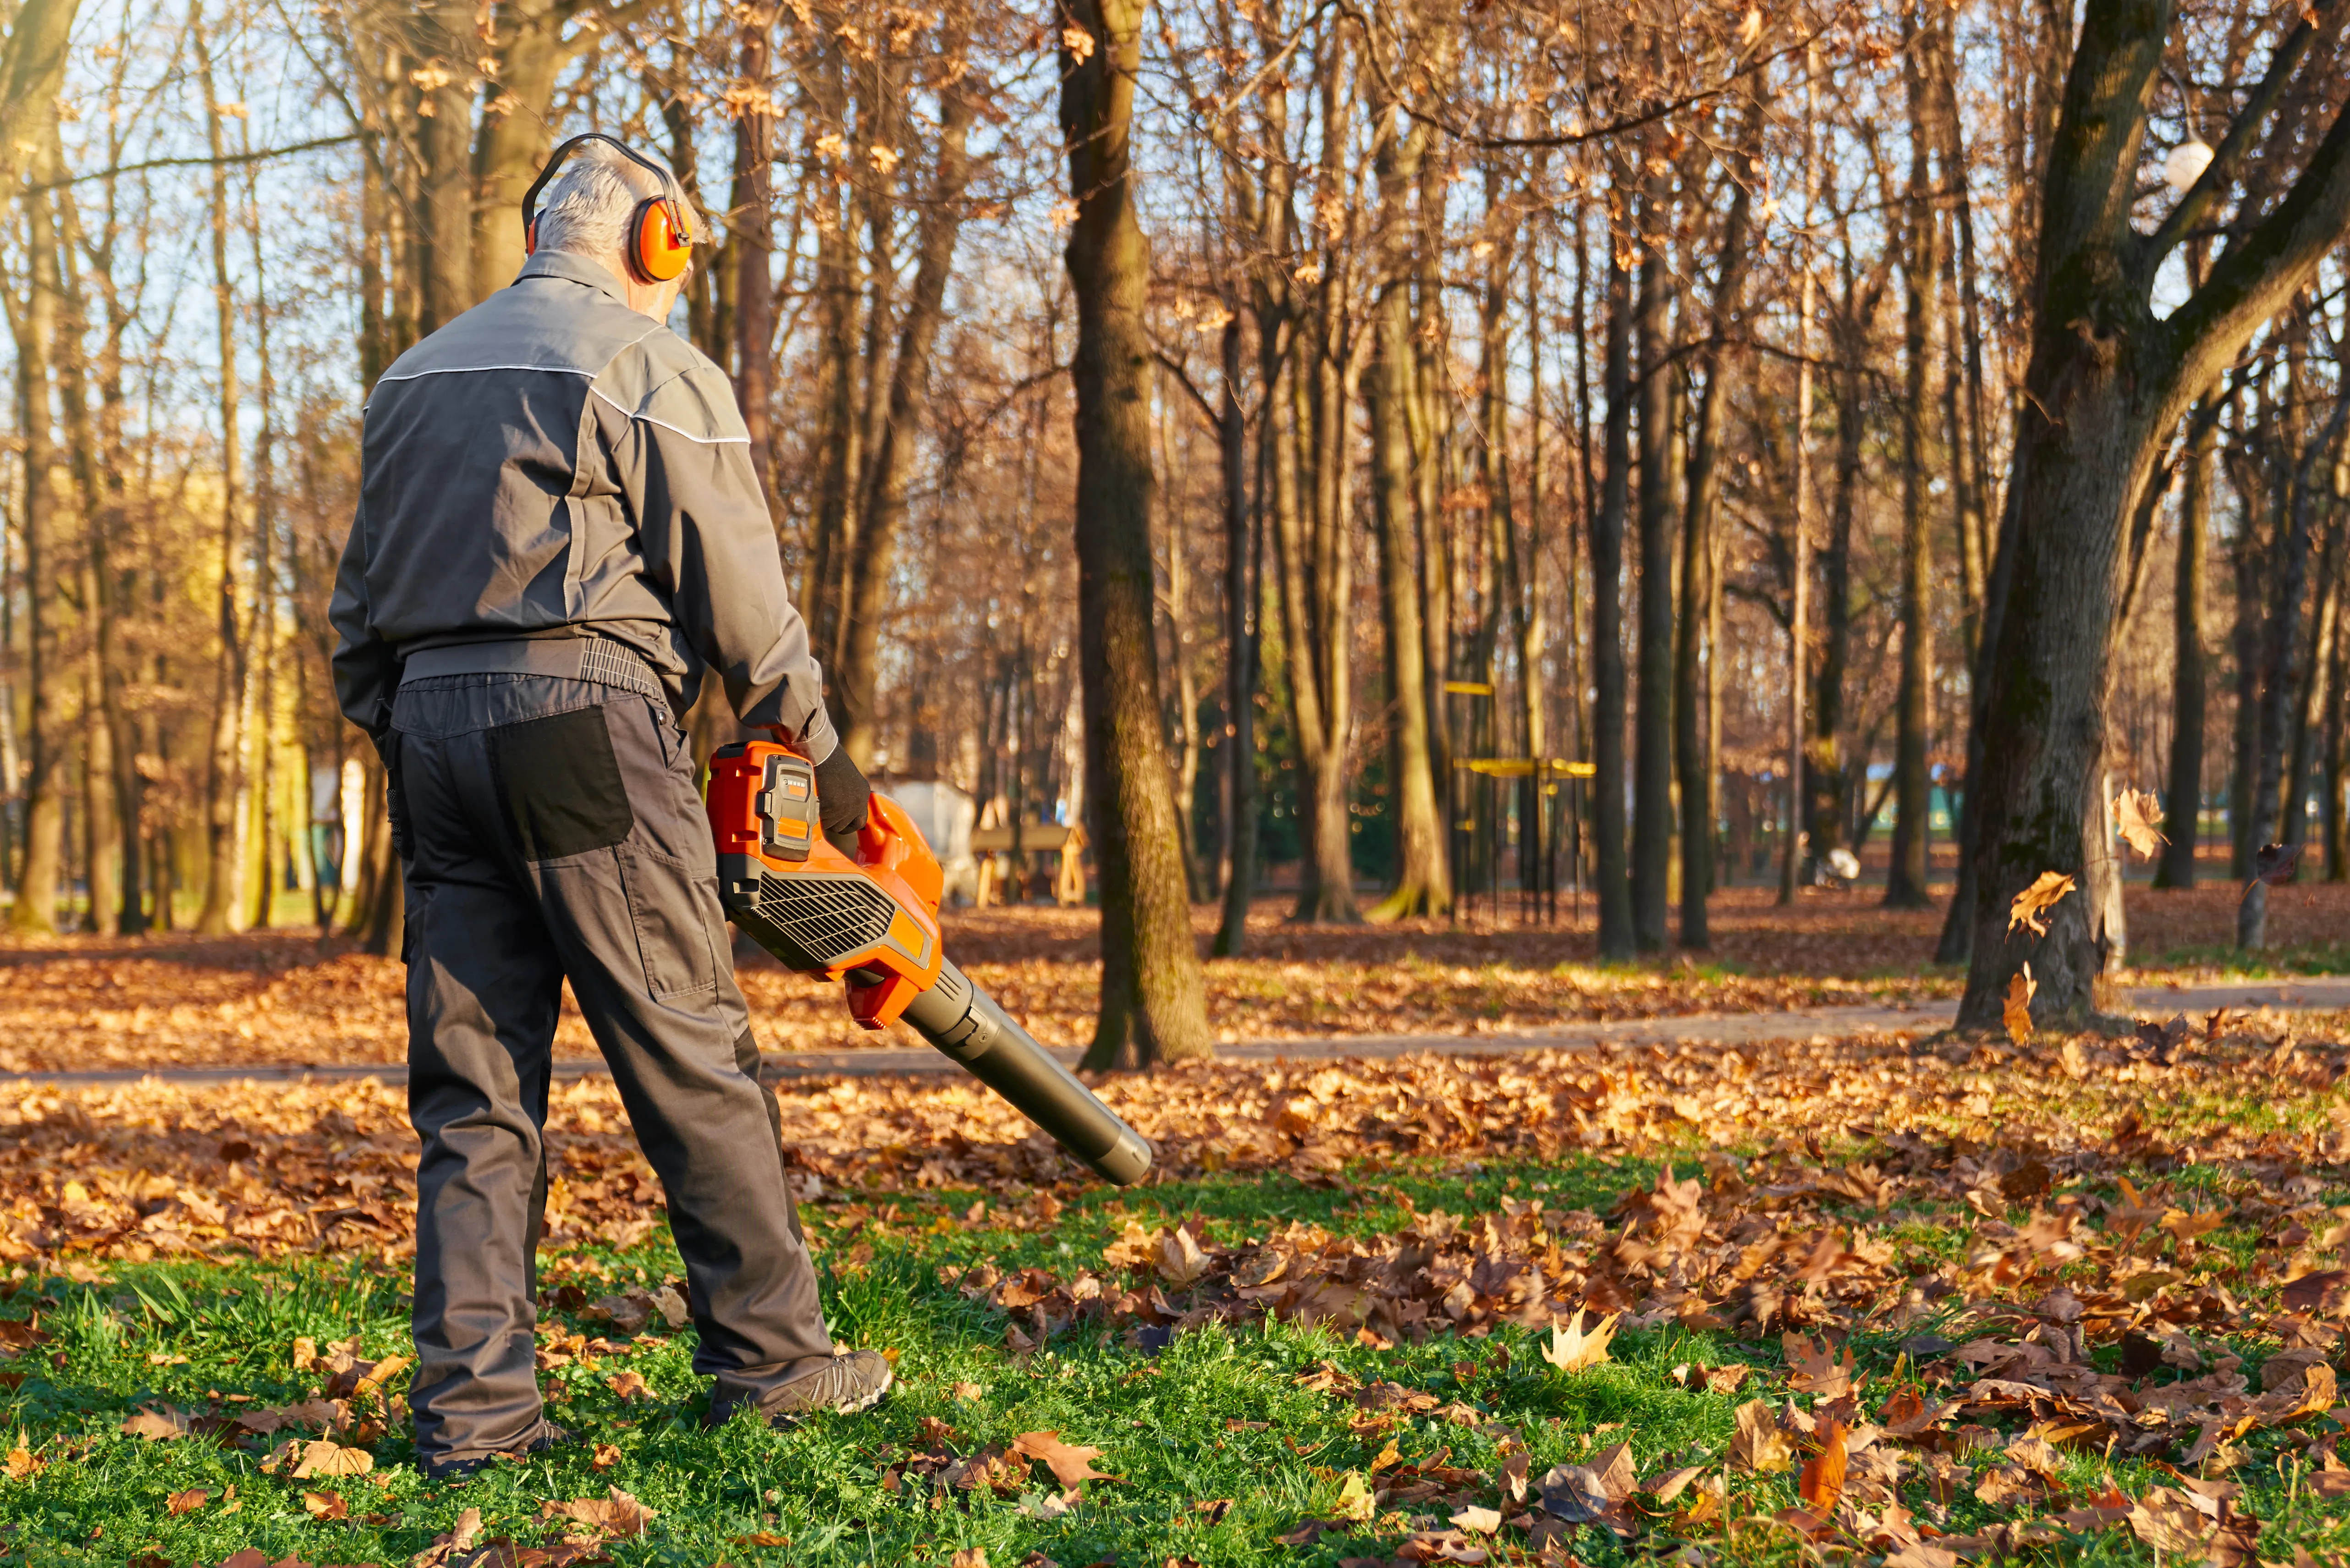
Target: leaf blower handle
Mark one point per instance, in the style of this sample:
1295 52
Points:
965 1025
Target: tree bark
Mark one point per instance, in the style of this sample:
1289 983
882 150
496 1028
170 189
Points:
1423 881
750 235
1240 589
1616 941
2183 808
1153 996
34 909
1652 738
223 758
2108 383
1693 750
1921 271
882 508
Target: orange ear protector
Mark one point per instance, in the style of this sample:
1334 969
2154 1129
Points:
659 242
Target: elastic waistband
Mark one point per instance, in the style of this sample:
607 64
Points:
596 659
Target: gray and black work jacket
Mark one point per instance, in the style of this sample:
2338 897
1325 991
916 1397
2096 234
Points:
555 484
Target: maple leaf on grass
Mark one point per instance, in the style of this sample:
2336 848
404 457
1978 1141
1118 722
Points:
1069 1462
2048 890
615 1512
186 1501
1572 1346
157 1424
326 1505
1821 1483
1759 1448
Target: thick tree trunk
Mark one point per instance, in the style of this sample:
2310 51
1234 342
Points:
1153 998
2107 385
34 909
1921 270
1652 739
1423 883
1612 874
2335 768
2183 805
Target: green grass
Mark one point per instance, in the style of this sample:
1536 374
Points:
1218 1414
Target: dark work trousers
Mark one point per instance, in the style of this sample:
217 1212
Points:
551 830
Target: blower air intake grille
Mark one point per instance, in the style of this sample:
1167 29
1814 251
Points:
824 916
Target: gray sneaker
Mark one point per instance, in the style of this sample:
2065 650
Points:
844 1385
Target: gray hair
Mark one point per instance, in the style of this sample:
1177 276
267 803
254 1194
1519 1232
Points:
586 211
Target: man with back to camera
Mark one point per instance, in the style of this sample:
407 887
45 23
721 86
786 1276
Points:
559 531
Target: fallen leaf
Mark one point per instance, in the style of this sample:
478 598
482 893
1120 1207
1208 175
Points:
1356 1503
187 1501
325 1457
1759 1448
1180 1262
2047 891
1479 1520
157 1424
1573 1347
1821 1483
1069 1462
969 1557
605 1456
629 1384
325 1505
671 1305
615 1512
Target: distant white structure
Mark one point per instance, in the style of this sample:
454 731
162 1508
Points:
946 815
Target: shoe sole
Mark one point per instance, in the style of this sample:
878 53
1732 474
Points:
851 1408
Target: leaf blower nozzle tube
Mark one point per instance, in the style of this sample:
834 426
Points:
966 1025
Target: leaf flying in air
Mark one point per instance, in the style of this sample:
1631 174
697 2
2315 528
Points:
1573 1347
2046 891
2134 813
2017 1012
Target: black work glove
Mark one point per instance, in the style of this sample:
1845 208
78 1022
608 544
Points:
841 794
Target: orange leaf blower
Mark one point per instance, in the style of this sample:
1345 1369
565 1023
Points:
873 923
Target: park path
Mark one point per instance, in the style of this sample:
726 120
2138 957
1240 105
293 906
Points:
1792 1026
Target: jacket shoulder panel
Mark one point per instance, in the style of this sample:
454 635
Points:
536 324
663 380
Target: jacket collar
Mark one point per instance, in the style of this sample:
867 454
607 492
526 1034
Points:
574 269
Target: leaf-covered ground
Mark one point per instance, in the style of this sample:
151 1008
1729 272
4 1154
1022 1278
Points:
2078 1301
80 1003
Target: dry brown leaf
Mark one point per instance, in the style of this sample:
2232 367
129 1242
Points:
1573 1347
615 1512
629 1384
605 1456
187 1501
326 1505
1759 1448
2047 891
157 1424
1070 1463
1180 1260
1821 1484
325 1457
2016 1012
2134 813
455 1544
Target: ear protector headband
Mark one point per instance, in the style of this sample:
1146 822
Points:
658 241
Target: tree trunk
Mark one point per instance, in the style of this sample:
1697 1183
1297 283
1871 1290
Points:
37 333
1423 882
1614 894
1693 751
2337 765
1921 272
2281 671
1652 739
221 772
1241 588
1153 996
2107 385
881 509
2183 808
750 235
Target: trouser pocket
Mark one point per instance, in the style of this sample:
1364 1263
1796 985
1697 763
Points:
560 785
